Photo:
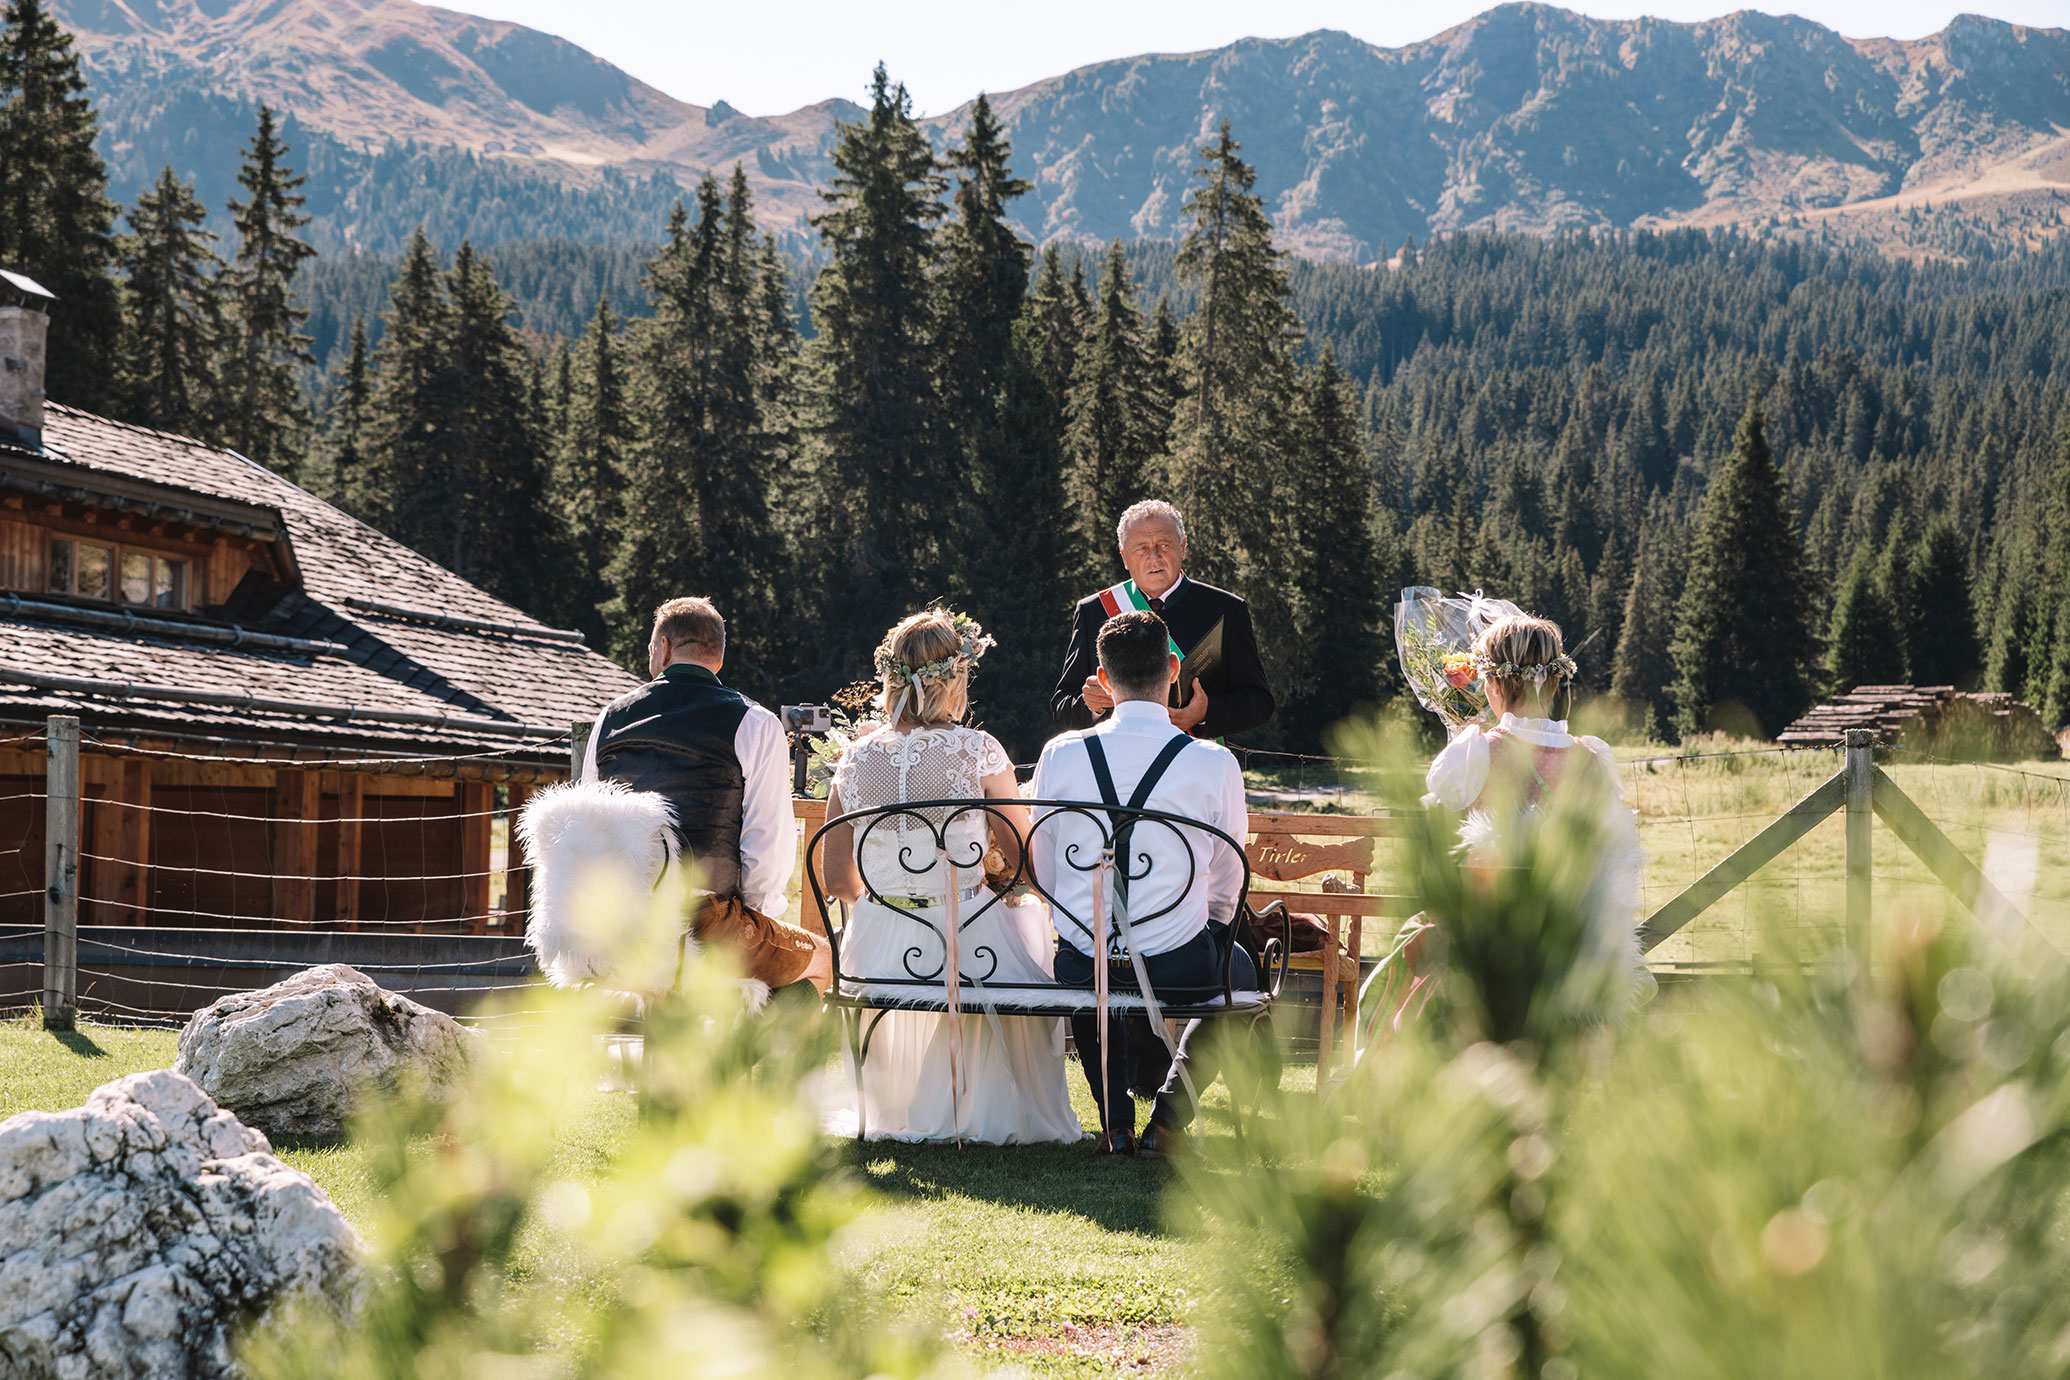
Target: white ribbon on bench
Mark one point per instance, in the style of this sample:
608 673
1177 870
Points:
952 990
1100 983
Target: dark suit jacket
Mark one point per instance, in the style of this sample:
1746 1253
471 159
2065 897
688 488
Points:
1238 697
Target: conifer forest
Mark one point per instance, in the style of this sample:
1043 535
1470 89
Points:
1740 468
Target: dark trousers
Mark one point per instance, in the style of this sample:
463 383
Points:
1136 1056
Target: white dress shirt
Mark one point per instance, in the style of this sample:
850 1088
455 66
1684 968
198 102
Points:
768 830
1204 782
1459 774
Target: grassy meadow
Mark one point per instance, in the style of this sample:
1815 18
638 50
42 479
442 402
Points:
1044 1258
1694 808
1058 1263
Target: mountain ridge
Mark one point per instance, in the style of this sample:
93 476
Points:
1524 117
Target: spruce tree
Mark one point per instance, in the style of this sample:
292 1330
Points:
1642 671
589 473
1337 642
1864 644
560 396
659 531
265 416
1742 631
1231 462
879 451
176 314
708 384
495 533
1017 584
982 281
351 395
1115 413
57 224
1943 638
405 490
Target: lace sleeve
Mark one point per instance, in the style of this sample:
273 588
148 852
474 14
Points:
844 772
992 758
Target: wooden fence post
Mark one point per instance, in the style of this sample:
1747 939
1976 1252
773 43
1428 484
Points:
61 875
1861 785
578 748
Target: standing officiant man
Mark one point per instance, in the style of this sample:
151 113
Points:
1222 689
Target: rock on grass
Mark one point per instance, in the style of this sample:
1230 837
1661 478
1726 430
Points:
294 1058
137 1231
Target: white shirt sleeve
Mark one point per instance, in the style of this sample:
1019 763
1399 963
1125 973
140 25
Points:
1232 817
589 748
1608 758
768 829
1459 773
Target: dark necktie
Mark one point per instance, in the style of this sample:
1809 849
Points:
1157 606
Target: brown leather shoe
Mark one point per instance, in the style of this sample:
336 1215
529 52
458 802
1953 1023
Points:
1115 1143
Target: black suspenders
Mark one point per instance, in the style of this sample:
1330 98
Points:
1103 777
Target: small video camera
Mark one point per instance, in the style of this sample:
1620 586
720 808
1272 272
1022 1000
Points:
808 718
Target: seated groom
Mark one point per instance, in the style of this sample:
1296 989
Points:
1210 628
722 762
1185 929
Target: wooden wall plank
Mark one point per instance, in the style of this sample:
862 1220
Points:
517 887
296 805
351 811
118 887
477 799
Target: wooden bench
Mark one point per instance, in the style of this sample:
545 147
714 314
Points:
1292 847
866 998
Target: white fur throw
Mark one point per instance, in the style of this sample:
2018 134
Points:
599 850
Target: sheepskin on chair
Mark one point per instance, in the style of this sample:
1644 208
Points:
599 851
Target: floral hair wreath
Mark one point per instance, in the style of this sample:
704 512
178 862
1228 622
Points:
974 644
1536 674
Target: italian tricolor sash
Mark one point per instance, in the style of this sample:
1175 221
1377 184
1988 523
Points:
1126 598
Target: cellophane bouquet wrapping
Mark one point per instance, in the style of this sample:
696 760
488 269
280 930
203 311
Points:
1434 634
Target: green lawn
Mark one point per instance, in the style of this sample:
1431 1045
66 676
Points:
1047 1258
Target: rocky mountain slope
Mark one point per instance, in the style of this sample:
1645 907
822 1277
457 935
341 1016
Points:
1526 117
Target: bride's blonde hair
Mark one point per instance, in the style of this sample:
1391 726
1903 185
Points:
911 700
1522 650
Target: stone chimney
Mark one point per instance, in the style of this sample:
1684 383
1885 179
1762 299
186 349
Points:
24 324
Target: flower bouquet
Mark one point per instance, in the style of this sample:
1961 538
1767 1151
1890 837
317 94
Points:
1434 634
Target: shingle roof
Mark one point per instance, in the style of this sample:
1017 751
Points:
521 676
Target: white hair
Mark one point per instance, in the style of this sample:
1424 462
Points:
1147 508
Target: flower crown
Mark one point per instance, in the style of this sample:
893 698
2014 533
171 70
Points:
1536 674
974 644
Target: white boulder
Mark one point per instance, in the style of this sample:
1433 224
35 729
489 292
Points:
137 1231
293 1058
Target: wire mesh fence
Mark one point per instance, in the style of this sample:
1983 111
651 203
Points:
198 874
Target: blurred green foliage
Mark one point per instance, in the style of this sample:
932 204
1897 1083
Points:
710 1244
1822 1170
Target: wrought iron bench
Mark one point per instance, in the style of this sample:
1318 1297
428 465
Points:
864 999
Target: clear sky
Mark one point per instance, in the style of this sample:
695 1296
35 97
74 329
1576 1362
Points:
766 57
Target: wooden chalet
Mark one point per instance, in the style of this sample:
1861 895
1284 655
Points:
274 699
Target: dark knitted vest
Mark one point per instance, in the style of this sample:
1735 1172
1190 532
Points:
674 736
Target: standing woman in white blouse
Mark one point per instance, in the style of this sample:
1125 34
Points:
1496 777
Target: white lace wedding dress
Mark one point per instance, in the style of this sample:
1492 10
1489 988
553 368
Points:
1011 1086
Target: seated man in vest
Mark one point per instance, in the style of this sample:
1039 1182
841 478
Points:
1136 757
721 761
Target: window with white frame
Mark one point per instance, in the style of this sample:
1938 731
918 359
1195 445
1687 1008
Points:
118 574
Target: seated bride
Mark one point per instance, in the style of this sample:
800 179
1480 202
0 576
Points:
990 1078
